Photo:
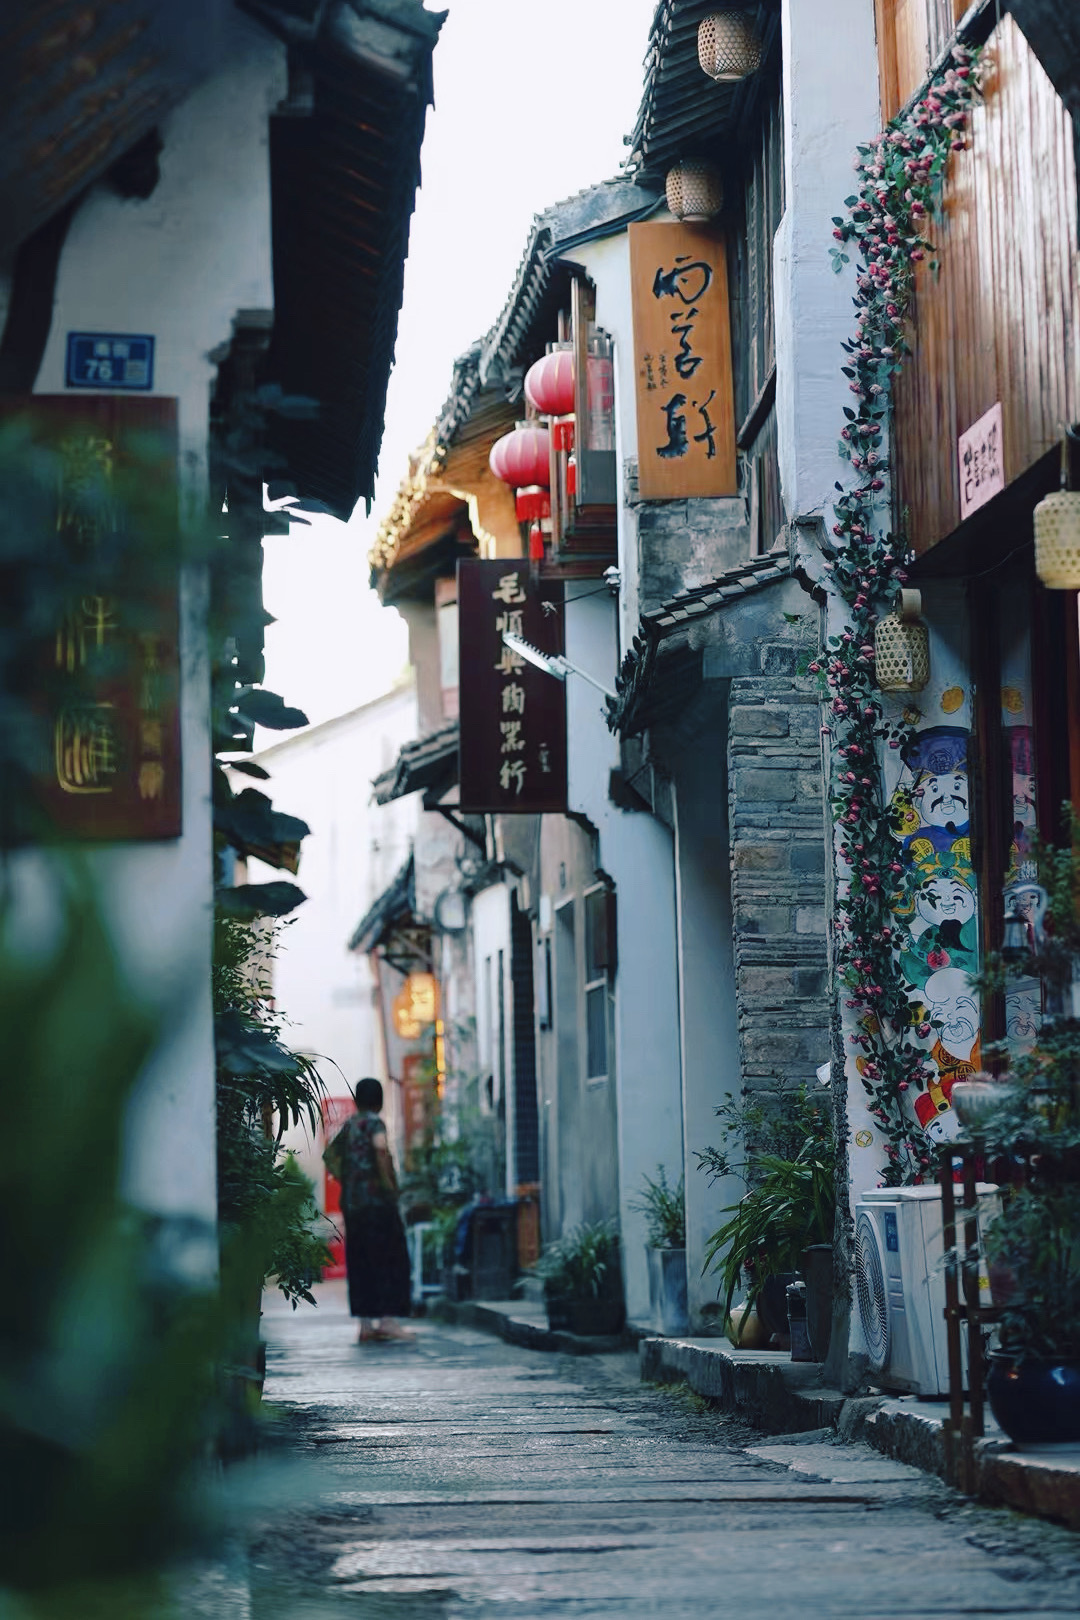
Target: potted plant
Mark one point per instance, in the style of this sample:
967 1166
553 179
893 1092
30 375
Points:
1034 1132
785 1219
583 1280
664 1209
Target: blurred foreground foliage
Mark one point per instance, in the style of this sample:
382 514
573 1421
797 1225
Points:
115 1394
262 1087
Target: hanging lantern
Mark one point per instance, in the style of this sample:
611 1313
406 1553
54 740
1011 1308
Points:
531 503
694 190
562 433
523 456
902 646
1057 540
571 475
549 384
729 46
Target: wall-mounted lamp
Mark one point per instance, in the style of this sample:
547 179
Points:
694 190
729 46
902 646
551 663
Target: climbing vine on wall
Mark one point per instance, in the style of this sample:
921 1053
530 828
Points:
901 175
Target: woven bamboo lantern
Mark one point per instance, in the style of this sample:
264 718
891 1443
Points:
694 190
902 646
1057 540
728 46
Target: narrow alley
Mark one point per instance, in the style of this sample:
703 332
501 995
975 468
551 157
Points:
466 1477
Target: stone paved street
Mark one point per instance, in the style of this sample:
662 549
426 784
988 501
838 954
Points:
462 1477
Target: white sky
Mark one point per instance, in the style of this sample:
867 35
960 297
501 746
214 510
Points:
531 105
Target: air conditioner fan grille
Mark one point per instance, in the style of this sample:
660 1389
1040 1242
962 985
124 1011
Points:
870 1290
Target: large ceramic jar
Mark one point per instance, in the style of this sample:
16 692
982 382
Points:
1036 1402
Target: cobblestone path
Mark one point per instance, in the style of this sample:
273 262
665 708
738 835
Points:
462 1477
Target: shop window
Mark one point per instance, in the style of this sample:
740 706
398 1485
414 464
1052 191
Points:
911 35
599 939
754 321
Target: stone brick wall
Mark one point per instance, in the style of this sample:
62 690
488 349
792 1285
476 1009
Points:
778 873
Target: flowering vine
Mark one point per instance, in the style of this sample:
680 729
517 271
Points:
901 174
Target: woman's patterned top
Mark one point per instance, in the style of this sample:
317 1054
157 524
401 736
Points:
354 1149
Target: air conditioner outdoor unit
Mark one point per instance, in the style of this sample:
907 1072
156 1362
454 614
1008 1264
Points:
900 1283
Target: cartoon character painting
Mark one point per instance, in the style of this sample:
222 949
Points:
1022 768
937 761
936 913
942 930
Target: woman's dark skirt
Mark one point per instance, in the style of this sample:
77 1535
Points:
377 1261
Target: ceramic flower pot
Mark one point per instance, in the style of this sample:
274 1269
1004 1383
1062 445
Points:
587 1314
667 1291
975 1100
1036 1401
745 1329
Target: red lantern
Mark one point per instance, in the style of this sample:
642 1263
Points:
549 384
571 475
532 503
522 457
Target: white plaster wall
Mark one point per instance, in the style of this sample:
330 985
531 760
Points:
635 850
607 262
831 104
179 265
711 1065
490 915
325 991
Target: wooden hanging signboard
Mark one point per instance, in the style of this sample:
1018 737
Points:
682 361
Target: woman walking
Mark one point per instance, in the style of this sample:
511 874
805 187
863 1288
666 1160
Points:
376 1254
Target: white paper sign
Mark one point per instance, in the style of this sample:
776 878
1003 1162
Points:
981 456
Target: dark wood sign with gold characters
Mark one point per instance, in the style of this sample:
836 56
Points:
93 480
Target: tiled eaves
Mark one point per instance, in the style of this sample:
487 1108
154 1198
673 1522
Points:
679 613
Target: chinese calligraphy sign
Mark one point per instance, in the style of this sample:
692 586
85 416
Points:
512 745
682 359
104 684
981 456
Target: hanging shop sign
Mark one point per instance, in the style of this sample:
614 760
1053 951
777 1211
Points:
682 361
512 749
981 457
94 480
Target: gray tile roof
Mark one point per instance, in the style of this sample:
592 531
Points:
625 710
683 113
428 762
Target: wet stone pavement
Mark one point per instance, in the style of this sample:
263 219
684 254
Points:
460 1476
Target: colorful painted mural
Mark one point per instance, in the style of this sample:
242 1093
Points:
936 910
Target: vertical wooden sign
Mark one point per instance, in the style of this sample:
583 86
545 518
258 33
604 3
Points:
682 361
95 478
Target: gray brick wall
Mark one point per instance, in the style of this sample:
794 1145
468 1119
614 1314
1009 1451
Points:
778 873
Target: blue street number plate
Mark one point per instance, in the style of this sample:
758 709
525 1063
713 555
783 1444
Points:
109 360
